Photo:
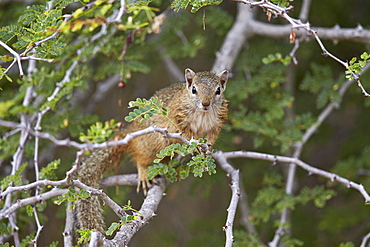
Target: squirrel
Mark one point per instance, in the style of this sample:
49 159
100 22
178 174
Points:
196 108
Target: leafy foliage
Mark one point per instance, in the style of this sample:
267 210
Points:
272 198
282 3
98 132
348 244
197 165
72 196
179 39
244 239
14 180
5 229
320 82
356 66
146 109
127 218
265 103
4 245
85 235
48 172
217 19
195 4
277 58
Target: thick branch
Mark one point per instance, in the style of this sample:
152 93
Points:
146 213
5 213
229 51
128 179
336 33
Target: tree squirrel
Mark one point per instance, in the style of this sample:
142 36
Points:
197 108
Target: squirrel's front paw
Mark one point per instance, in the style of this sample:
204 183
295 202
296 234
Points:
143 182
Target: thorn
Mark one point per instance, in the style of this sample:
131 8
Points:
336 27
359 27
275 160
289 8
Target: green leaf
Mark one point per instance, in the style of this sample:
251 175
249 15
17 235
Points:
147 109
156 169
282 3
48 172
195 4
53 244
6 58
85 235
72 195
5 229
29 210
4 107
277 57
112 228
15 179
348 244
98 132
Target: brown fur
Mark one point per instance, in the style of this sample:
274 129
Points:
198 109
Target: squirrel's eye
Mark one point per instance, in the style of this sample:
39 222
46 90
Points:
193 90
218 90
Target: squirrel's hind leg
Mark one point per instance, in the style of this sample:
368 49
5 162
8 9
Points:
143 182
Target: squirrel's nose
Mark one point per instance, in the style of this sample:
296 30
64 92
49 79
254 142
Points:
206 104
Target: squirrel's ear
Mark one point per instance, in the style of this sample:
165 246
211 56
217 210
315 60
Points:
224 75
189 75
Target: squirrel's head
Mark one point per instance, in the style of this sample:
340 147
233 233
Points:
206 88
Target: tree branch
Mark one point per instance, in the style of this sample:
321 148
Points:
364 240
298 24
130 179
6 212
298 147
235 195
68 228
235 38
146 213
311 170
305 10
17 59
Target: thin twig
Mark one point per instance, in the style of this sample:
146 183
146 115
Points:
39 226
297 24
17 58
311 169
364 240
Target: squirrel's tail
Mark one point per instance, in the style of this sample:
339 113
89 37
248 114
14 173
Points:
91 173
